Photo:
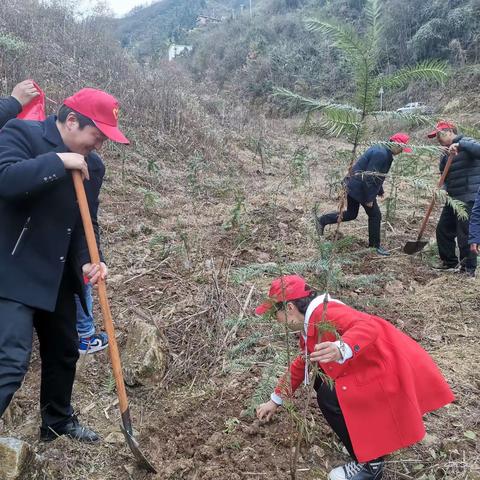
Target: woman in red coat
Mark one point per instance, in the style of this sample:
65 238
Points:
384 381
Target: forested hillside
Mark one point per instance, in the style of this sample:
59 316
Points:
234 148
274 49
147 31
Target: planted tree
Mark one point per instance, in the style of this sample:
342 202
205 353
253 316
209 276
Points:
362 55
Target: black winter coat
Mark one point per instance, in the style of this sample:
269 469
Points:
10 107
41 232
463 179
365 188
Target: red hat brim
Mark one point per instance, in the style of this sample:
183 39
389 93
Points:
263 308
407 150
111 132
432 134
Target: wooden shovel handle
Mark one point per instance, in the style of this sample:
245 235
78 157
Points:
432 203
102 291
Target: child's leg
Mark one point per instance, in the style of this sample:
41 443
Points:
85 323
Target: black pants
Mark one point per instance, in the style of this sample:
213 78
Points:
351 213
58 340
450 227
328 403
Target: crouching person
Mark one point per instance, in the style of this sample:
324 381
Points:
383 380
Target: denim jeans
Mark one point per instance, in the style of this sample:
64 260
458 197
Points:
85 323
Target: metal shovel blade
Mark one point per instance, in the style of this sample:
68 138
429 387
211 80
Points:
414 247
140 457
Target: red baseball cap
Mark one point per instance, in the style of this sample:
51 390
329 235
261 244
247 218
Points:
442 125
284 289
401 138
101 108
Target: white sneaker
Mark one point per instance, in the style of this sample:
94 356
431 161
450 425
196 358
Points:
95 343
358 471
345 472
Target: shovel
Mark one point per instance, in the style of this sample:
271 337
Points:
108 324
413 247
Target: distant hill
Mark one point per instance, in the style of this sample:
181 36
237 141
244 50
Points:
251 55
147 31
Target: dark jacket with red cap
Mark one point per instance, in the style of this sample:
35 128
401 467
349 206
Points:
365 188
41 232
463 179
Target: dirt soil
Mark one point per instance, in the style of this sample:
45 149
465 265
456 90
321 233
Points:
174 244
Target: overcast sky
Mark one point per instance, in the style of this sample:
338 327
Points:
119 7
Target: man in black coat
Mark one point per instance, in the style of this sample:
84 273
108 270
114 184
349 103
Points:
364 184
461 183
10 107
43 252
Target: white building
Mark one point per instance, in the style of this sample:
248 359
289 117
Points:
175 50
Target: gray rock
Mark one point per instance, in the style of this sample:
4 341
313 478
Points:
145 356
18 461
115 438
317 453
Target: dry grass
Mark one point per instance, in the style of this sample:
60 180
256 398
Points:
174 260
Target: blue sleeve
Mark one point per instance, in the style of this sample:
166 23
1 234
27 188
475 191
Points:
21 173
474 227
10 107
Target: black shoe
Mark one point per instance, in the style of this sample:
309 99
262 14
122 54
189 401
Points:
72 429
358 471
381 251
446 267
319 226
466 273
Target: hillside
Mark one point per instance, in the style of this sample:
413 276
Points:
212 200
147 31
249 56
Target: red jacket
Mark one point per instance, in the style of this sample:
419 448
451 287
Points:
384 389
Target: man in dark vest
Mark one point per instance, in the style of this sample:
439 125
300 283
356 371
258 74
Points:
364 184
461 183
43 252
